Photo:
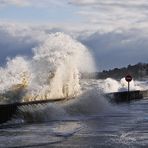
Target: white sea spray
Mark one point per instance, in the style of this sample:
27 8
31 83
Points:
52 72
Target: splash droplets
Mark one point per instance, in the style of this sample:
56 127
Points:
52 72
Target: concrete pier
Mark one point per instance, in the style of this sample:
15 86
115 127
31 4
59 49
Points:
119 97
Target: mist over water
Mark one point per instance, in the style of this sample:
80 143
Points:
88 104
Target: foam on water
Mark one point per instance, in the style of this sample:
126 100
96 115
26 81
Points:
111 85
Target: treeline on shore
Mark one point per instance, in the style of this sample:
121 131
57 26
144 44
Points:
137 71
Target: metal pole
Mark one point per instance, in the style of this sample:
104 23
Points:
128 86
128 90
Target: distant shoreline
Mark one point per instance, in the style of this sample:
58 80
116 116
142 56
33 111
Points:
138 71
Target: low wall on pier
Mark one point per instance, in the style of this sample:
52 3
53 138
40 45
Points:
126 96
8 110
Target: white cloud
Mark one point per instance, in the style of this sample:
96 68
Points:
18 40
14 2
109 2
111 49
32 3
114 30
84 2
113 14
102 15
117 49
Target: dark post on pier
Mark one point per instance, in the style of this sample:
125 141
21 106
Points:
128 78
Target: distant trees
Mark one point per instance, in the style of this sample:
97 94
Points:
138 71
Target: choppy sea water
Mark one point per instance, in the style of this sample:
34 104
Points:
89 121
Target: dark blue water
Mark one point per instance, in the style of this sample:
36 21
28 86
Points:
123 125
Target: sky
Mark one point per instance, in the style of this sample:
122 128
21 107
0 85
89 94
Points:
115 31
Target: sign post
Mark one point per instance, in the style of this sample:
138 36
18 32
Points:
128 86
128 78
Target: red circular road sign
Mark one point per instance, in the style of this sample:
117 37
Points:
128 78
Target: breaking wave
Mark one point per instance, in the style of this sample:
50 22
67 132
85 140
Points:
52 72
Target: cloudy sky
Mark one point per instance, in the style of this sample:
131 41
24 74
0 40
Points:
115 31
